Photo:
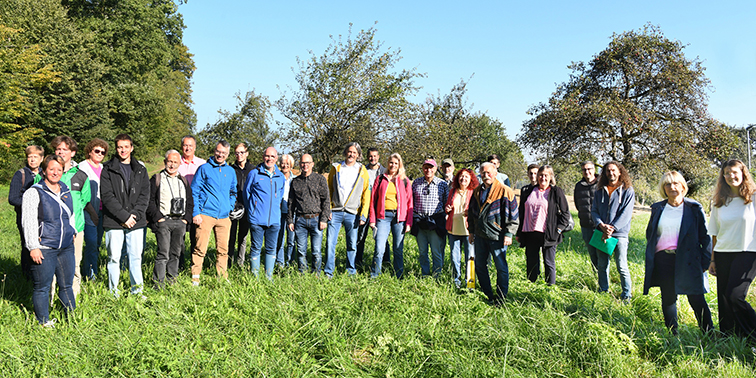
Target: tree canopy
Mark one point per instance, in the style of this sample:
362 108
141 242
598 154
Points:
349 93
640 101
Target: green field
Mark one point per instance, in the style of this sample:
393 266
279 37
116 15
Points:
301 325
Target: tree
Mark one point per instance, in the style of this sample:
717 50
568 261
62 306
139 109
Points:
641 102
249 124
350 93
450 129
22 69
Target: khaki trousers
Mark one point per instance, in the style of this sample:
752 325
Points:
221 228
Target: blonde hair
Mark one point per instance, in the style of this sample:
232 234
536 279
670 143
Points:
670 177
722 195
400 174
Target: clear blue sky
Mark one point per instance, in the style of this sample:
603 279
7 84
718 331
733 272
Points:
517 51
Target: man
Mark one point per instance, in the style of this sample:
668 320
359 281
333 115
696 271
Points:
492 221
263 195
611 212
583 197
502 177
349 186
188 168
168 212
78 182
429 194
447 171
239 226
214 192
125 193
374 169
309 211
22 180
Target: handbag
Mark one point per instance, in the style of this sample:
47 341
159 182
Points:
607 246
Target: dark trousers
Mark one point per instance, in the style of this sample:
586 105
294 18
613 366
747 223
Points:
26 261
498 251
362 233
237 241
735 271
59 263
664 275
170 246
192 243
534 245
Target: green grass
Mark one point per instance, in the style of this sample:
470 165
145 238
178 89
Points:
301 325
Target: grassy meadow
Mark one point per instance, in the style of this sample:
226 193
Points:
302 325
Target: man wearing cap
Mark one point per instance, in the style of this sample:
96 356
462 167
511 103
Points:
447 171
429 219
374 169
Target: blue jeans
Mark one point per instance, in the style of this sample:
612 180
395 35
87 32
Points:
302 229
134 240
430 238
92 241
351 223
270 234
382 229
456 244
496 248
285 251
59 263
592 252
620 258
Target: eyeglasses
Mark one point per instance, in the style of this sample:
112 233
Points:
240 152
99 151
305 162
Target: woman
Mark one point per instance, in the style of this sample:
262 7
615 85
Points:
732 227
391 211
22 180
48 224
462 186
678 251
544 214
95 151
285 252
237 240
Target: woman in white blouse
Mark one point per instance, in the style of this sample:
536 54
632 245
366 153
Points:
733 229
678 252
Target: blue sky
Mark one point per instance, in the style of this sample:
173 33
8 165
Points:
517 51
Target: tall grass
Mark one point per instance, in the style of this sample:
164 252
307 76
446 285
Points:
302 325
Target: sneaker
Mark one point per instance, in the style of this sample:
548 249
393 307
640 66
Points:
195 283
50 323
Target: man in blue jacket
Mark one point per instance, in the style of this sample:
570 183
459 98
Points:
214 194
611 211
262 198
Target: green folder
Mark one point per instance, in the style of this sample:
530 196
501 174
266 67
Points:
606 246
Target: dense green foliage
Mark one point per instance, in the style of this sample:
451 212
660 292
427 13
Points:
301 325
249 124
121 67
640 101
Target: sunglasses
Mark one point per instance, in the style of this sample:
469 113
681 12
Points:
99 151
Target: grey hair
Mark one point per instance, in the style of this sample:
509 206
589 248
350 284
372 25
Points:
223 143
355 145
288 157
587 162
486 164
171 152
188 137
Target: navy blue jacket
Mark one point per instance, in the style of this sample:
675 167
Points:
693 249
56 228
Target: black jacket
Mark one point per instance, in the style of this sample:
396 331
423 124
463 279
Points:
583 197
119 201
557 216
241 179
153 208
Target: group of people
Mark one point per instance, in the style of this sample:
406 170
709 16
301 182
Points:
74 204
